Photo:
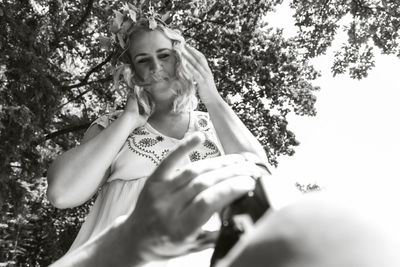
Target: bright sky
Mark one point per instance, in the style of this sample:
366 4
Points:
351 145
353 141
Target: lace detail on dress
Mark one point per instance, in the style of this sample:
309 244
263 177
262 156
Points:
143 143
155 147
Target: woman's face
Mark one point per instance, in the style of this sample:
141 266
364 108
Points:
153 60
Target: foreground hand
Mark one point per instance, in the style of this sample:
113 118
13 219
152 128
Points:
173 205
197 64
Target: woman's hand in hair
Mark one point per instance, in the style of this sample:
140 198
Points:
198 65
132 109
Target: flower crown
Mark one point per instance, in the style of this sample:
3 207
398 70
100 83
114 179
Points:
121 27
122 24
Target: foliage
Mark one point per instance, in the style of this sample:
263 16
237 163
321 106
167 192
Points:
40 233
54 80
308 188
371 23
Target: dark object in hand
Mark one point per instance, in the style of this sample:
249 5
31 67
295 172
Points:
247 209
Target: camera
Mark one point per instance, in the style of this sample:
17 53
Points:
238 217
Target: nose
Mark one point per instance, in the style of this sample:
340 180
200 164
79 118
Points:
156 65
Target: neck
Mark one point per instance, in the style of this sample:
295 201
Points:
163 108
164 105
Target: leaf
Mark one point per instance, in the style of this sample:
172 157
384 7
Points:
196 12
132 7
121 40
119 18
132 14
117 75
110 69
114 28
105 43
125 26
166 16
152 24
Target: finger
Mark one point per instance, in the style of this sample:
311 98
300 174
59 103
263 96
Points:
217 162
205 236
169 164
196 54
197 76
205 240
131 102
202 182
214 199
201 241
197 168
194 62
256 160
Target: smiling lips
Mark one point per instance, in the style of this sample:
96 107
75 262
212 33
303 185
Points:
158 77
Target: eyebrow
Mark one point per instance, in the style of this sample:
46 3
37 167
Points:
158 51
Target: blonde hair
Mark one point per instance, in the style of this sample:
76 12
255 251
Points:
184 86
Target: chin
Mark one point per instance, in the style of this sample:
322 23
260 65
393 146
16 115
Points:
161 89
160 86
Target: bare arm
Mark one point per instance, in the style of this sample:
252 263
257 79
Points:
77 174
233 134
115 246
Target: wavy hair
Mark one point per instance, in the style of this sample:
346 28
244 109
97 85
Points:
184 86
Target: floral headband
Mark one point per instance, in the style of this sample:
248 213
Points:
123 22
121 27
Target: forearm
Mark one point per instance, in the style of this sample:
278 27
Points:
116 246
76 175
233 134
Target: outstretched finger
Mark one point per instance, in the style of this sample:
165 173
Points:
198 168
169 164
204 181
213 199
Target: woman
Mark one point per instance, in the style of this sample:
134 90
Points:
120 150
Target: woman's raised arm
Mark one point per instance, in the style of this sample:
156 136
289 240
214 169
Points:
77 174
233 134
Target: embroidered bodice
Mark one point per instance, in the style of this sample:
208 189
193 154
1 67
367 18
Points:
145 147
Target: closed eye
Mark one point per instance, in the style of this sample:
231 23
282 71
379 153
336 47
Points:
163 56
143 60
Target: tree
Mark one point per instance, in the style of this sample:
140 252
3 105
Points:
55 80
308 188
369 24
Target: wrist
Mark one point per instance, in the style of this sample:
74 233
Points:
140 238
132 242
130 119
211 100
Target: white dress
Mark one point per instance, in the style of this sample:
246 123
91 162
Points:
142 152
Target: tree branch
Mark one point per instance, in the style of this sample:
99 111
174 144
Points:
98 67
204 15
84 17
105 79
84 81
67 130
